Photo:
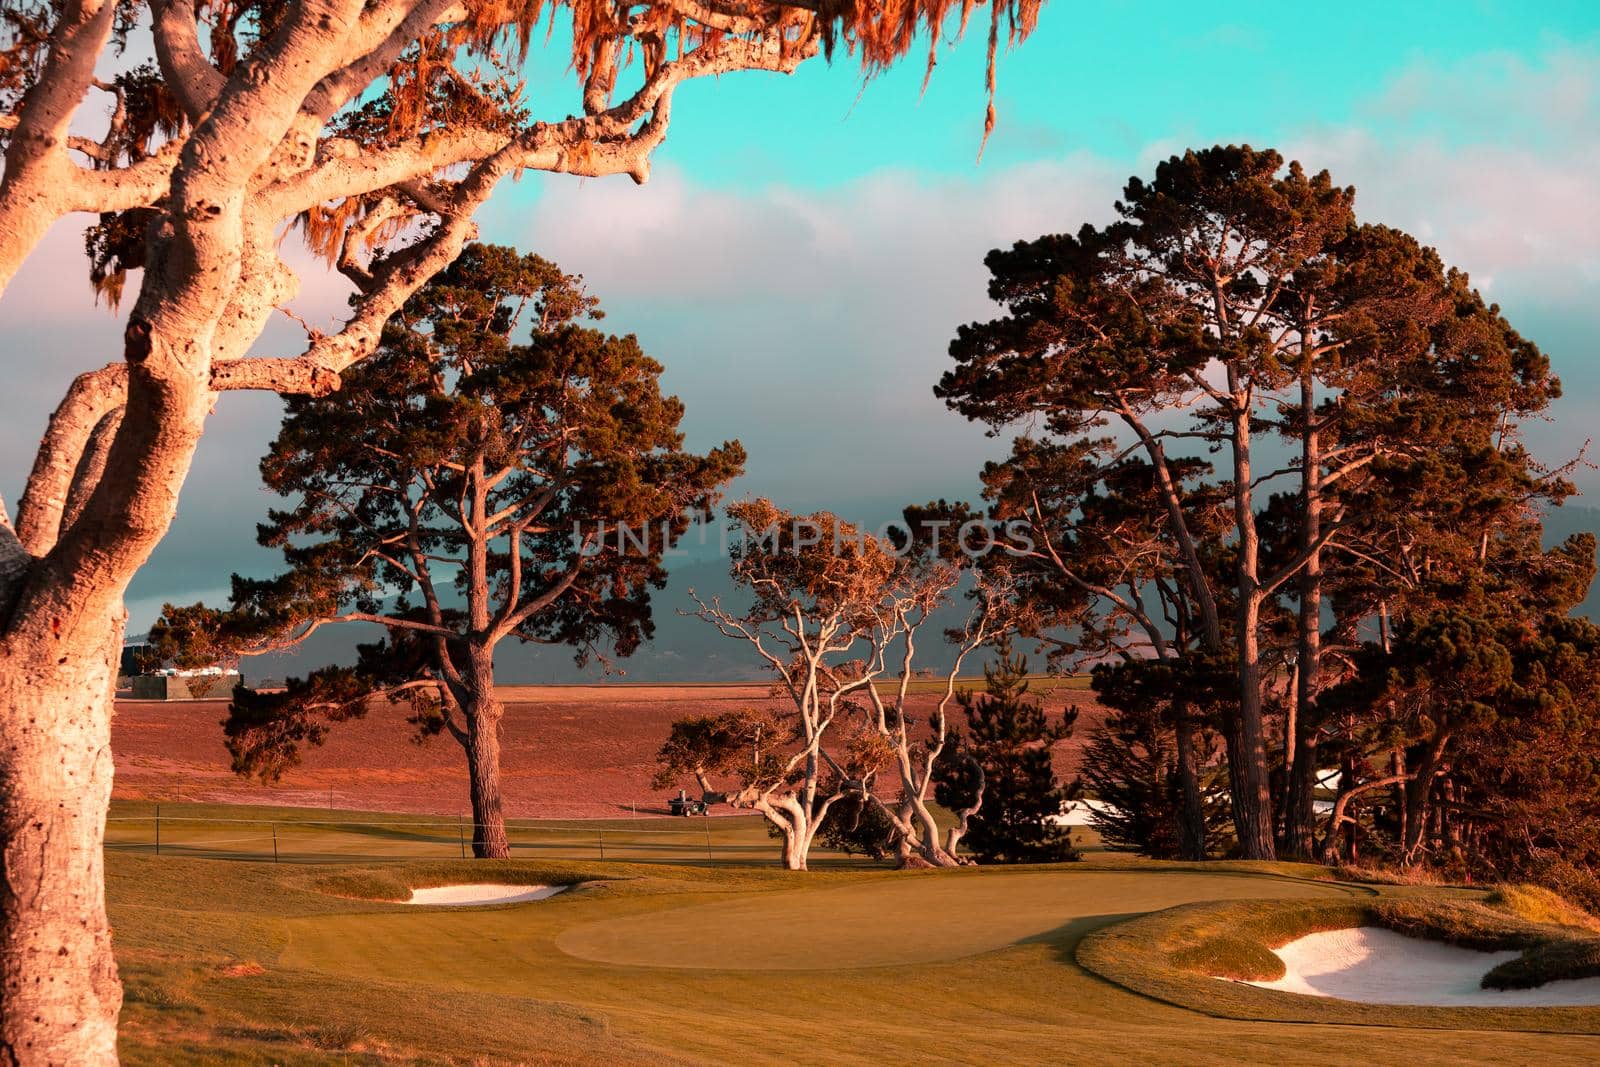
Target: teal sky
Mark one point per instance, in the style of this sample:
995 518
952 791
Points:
807 245
1108 78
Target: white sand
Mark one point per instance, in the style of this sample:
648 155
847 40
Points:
482 893
1377 966
1080 812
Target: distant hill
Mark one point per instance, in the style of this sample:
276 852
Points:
686 649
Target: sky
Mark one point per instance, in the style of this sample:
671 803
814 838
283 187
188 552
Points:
807 245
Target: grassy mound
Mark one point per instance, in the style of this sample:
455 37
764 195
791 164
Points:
1551 961
1537 904
1231 957
1179 955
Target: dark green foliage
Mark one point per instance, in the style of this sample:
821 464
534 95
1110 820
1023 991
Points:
465 485
1130 764
1236 300
1553 961
1499 721
1009 737
857 826
747 746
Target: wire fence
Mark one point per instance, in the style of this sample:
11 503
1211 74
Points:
302 840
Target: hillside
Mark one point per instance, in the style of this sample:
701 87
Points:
567 752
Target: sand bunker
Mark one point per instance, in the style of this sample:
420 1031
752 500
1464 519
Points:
482 893
1377 966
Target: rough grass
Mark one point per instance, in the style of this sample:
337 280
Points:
1184 954
1238 958
1548 962
255 963
1537 904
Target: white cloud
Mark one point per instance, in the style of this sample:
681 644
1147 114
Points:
812 322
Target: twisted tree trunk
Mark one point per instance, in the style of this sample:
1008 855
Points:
796 826
59 994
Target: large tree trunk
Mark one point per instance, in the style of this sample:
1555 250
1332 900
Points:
929 849
483 711
1299 810
59 994
796 827
1191 805
483 781
1247 748
796 847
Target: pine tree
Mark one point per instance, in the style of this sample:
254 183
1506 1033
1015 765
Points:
1010 737
1131 763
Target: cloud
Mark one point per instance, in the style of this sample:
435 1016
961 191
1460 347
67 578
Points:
812 322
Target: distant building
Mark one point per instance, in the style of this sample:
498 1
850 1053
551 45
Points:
171 683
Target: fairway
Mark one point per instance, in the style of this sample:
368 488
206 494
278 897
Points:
256 963
920 919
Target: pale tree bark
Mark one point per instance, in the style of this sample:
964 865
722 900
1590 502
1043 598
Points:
792 799
59 995
916 760
958 830
260 149
254 156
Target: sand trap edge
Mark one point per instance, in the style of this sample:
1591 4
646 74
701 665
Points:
481 894
1136 955
1374 965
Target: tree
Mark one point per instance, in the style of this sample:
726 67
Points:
1134 761
542 480
1469 706
1101 575
379 127
1236 296
835 614
1524 799
1004 763
815 583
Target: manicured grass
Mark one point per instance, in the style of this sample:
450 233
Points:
307 835
316 835
244 962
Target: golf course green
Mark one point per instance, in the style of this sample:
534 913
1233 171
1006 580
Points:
240 962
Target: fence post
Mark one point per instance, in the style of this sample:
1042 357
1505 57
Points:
461 833
708 838
274 842
158 829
